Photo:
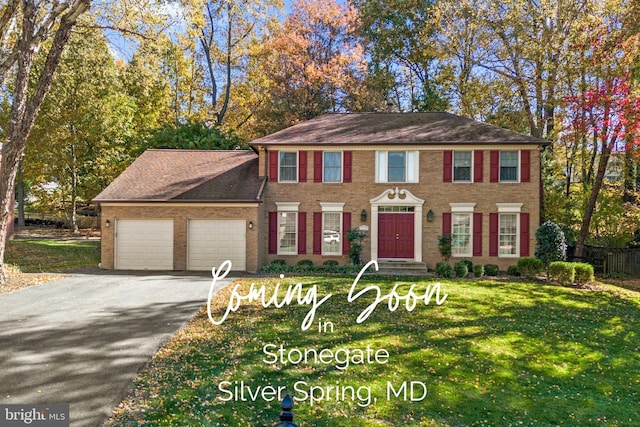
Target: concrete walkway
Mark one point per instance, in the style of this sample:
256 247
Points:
83 339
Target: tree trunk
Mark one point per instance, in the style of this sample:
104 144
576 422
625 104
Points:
20 197
593 198
24 109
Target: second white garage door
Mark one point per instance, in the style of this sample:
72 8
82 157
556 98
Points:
211 242
144 244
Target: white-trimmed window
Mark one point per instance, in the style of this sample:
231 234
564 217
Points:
462 164
509 161
462 229
397 166
332 228
288 228
288 166
332 166
509 229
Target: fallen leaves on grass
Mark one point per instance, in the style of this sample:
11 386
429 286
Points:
19 280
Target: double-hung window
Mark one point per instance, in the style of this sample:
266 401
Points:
331 233
509 166
397 166
462 166
508 237
461 234
332 166
288 167
287 233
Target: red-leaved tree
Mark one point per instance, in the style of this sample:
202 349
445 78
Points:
609 114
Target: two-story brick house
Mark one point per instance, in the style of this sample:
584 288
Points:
403 178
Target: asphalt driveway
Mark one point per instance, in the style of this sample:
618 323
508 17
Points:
82 340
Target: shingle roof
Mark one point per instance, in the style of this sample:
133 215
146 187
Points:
187 176
394 129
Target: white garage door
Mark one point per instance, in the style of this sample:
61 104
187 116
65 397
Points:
144 244
211 242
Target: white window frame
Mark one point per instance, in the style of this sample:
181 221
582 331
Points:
517 180
280 179
453 167
412 166
463 209
335 208
324 163
289 208
509 209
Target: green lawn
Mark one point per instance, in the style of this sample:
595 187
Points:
41 255
494 354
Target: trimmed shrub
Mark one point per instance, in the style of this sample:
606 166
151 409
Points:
530 267
331 263
444 270
562 272
478 270
305 263
461 269
491 270
469 264
278 262
512 270
584 273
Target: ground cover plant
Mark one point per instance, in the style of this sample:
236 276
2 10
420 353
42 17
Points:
48 255
493 354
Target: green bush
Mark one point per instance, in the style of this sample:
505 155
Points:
550 243
512 270
331 263
562 272
444 246
305 263
461 269
444 270
469 264
584 273
530 267
478 270
491 270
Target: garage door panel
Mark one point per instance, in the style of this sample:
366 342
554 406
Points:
211 242
144 244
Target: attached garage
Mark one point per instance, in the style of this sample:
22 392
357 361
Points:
183 210
211 242
143 244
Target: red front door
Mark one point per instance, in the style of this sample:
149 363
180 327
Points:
395 235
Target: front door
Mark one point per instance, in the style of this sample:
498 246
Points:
395 235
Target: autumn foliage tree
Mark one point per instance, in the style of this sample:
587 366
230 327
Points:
609 113
313 64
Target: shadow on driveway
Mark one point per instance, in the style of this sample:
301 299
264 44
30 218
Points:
82 340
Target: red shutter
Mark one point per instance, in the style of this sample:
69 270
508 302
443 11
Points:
317 166
478 160
447 166
525 166
273 232
477 234
348 157
346 226
302 169
493 234
524 234
273 166
495 166
317 232
446 223
302 232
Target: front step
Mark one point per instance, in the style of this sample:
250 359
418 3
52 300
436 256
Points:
395 267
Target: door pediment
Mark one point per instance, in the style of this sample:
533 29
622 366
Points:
396 196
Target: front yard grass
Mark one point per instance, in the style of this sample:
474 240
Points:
45 255
494 354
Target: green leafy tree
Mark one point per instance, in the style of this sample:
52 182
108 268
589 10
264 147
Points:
550 244
193 135
80 139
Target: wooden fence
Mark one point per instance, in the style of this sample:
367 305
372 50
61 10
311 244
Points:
614 260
